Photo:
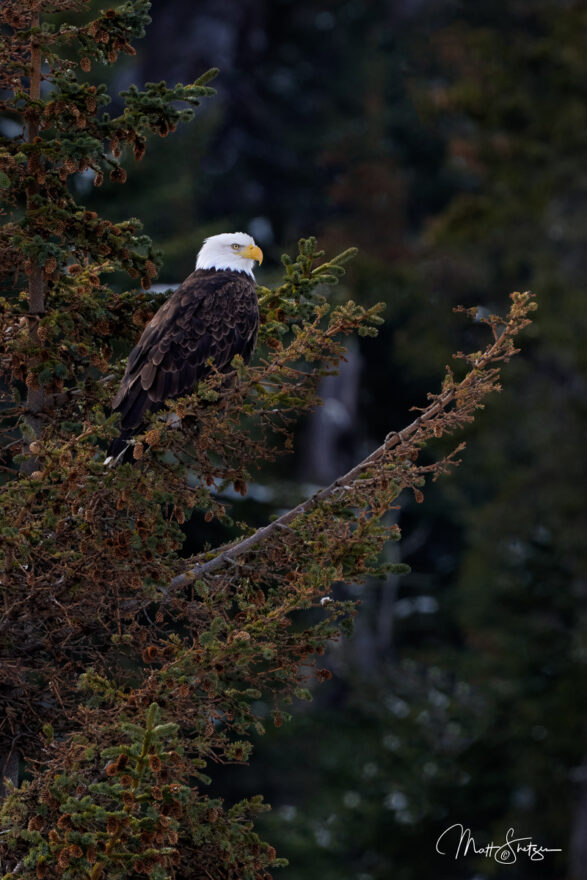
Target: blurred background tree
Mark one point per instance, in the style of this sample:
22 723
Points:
448 141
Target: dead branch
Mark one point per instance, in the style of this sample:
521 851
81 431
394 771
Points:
446 412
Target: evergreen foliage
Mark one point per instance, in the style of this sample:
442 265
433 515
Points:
127 671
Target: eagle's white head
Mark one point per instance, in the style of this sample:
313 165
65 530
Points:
236 251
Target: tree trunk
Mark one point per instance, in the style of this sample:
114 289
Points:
36 398
8 770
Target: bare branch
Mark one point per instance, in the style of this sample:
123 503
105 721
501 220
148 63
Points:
446 412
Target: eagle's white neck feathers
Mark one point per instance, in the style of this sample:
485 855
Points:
225 251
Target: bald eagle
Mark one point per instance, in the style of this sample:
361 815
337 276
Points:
212 316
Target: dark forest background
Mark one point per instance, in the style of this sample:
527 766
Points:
448 141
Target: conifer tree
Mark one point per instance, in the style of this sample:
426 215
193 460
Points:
126 671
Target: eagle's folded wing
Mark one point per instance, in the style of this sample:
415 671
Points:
209 319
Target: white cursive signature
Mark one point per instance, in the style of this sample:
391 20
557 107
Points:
505 853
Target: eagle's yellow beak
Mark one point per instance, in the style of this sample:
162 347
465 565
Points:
252 252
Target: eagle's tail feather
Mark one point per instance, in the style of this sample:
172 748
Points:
133 408
131 423
120 450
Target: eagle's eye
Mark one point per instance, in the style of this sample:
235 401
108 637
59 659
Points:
236 247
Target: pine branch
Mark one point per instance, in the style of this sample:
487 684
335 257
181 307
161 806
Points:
446 412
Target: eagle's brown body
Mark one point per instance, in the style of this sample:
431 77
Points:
210 318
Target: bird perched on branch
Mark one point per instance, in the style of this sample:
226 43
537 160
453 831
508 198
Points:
212 316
